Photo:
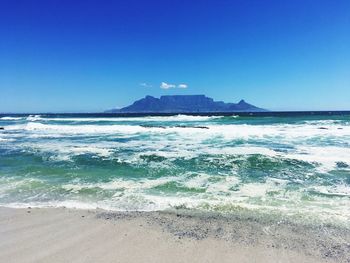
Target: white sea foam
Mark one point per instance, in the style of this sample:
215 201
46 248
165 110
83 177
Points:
323 144
327 122
337 190
327 157
174 118
10 118
228 132
174 142
6 140
34 118
7 183
81 129
261 189
121 184
65 150
134 195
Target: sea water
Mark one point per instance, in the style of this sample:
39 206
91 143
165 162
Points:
296 166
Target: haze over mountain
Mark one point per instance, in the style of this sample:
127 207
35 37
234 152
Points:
185 104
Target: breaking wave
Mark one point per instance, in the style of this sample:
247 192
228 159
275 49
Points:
10 118
294 166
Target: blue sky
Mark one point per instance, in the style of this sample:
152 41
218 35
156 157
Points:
71 56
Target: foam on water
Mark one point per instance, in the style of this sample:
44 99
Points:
221 163
6 140
229 131
327 157
10 118
175 118
174 144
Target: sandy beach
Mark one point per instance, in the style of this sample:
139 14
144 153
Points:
70 235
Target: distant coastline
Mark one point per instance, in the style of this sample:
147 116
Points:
185 104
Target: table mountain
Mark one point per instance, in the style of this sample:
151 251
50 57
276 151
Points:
185 104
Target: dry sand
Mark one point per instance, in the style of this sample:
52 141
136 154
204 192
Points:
69 235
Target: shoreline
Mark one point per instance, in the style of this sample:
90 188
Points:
77 235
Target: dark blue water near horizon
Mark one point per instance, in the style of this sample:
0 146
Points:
135 114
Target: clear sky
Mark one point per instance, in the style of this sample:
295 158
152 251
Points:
70 56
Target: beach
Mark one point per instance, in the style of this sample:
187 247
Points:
75 235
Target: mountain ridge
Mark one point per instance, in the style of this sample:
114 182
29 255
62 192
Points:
184 104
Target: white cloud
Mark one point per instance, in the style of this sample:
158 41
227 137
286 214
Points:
182 86
164 85
145 85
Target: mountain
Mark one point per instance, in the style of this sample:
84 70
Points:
185 104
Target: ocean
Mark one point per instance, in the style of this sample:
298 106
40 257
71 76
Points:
294 166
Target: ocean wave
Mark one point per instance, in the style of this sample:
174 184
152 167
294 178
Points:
337 190
34 118
11 118
328 122
175 143
326 157
293 168
6 140
174 118
228 131
226 194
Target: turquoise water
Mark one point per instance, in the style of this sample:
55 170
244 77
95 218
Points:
290 165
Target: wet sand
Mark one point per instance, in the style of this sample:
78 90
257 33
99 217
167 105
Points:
70 235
